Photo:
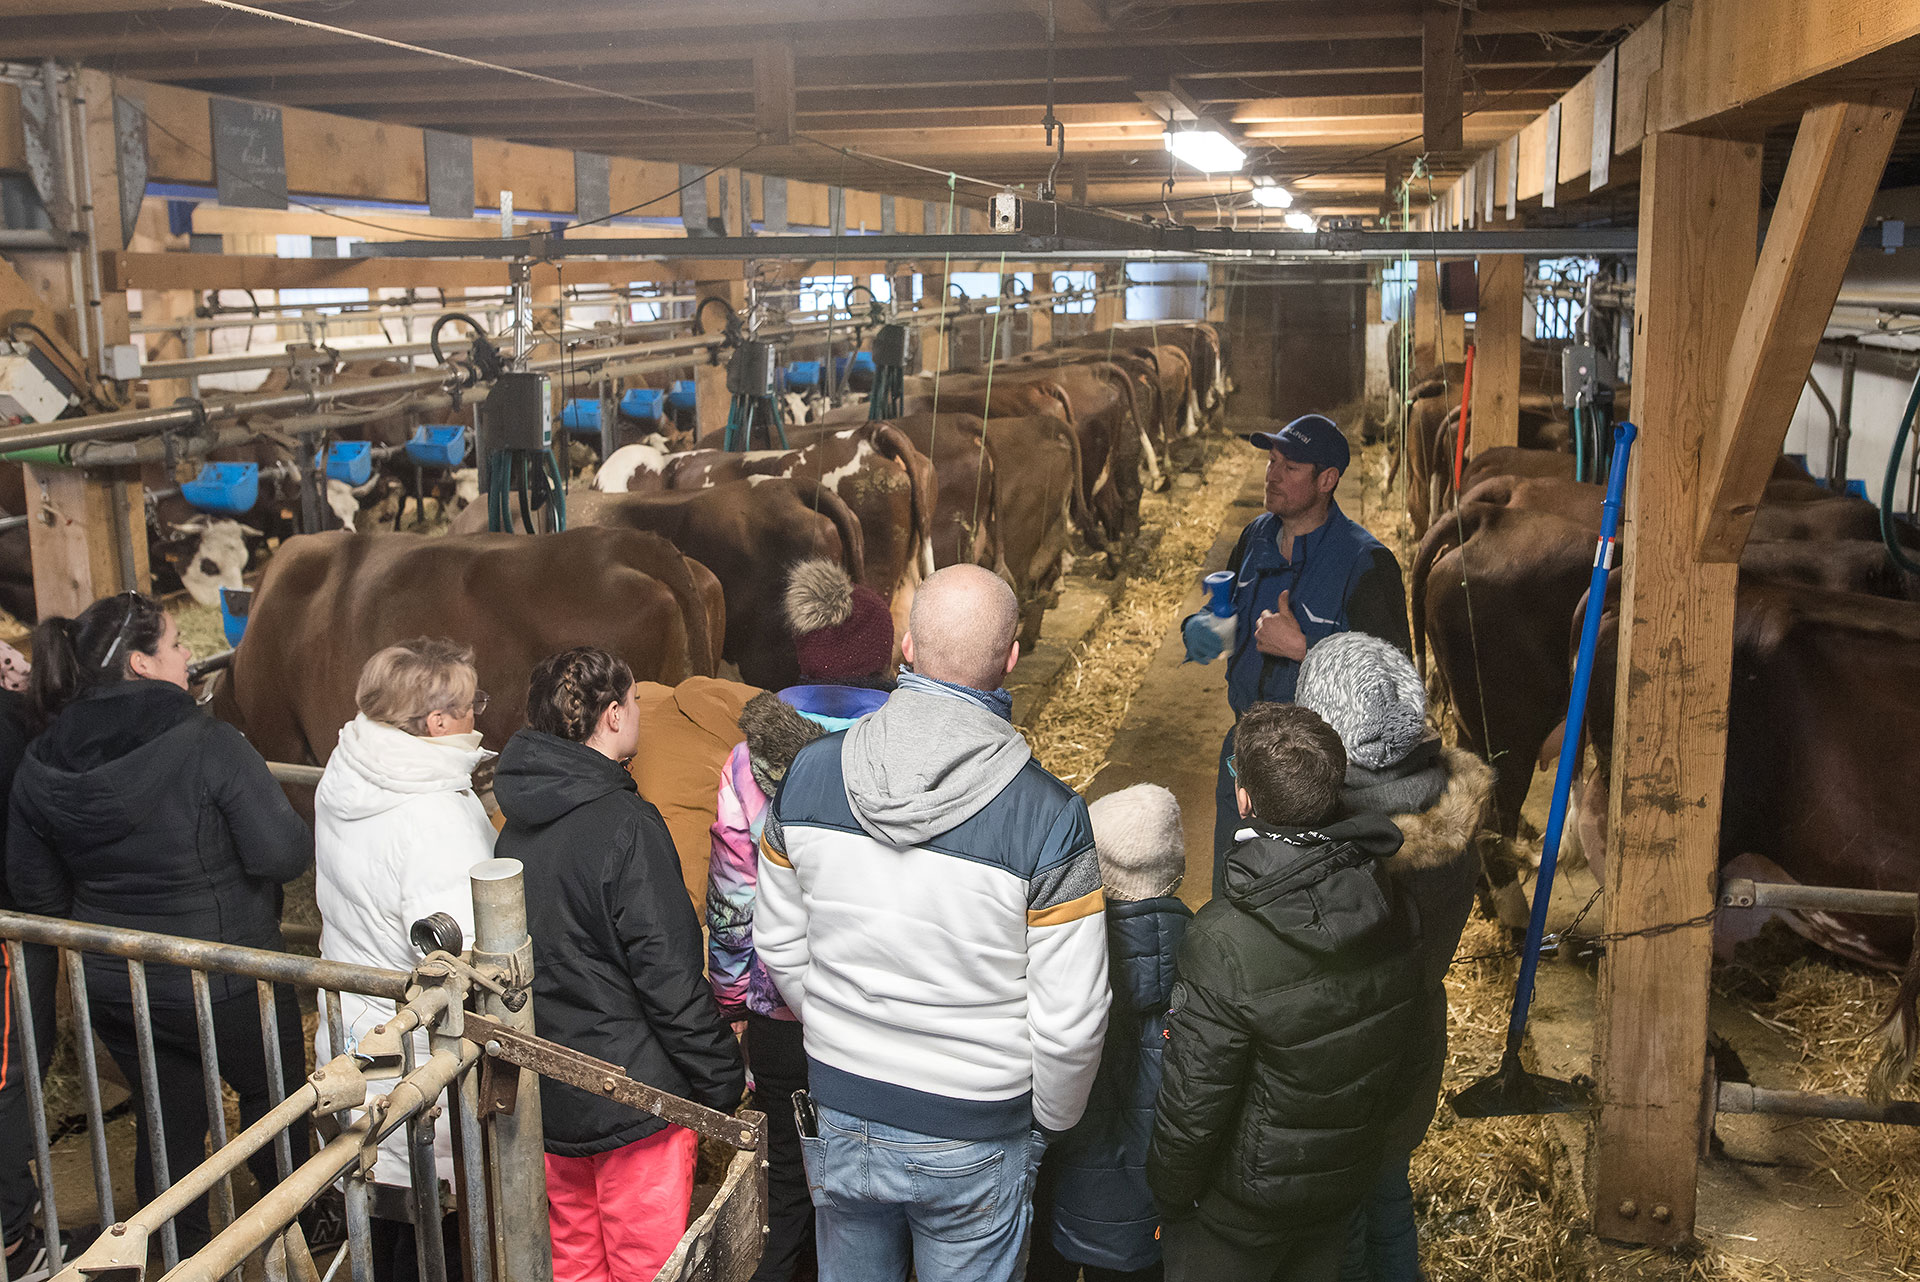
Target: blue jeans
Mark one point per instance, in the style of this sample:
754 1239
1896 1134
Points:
1384 1245
887 1200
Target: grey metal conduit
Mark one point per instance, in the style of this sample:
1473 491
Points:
1739 892
1743 1097
632 358
201 954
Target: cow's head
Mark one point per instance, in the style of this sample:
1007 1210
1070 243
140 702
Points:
209 553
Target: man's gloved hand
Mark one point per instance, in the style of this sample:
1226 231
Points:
1203 643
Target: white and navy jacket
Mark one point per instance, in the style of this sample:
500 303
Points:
957 987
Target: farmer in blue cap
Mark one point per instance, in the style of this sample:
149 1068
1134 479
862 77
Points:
1302 572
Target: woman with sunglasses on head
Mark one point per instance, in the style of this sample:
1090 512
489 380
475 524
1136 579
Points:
133 808
397 826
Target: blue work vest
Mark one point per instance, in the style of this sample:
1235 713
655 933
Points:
1326 565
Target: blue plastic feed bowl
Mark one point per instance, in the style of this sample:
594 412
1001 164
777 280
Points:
581 416
235 603
230 489
803 376
644 404
857 361
438 445
351 462
681 397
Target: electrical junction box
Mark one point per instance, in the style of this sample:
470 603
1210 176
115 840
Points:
32 390
517 414
1583 373
121 363
1003 214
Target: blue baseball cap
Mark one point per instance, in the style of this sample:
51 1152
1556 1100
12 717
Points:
1311 438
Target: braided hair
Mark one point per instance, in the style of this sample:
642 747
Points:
71 656
568 691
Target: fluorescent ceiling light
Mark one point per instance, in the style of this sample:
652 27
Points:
1270 195
1208 150
1300 220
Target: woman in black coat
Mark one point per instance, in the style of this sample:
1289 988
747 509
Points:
617 970
133 808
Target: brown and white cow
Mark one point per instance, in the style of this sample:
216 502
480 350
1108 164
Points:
749 534
328 602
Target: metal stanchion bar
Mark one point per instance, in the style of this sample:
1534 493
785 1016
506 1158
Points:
1739 892
75 967
276 1083
150 1092
1743 1097
210 1072
36 1094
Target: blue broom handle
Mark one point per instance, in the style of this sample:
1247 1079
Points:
1623 434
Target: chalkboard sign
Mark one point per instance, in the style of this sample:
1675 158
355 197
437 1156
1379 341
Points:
836 210
693 199
592 186
773 204
130 151
886 215
249 154
449 174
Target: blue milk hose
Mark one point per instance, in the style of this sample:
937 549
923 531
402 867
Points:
1623 434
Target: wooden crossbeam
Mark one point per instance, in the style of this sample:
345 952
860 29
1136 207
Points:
1443 76
1835 168
1072 15
773 92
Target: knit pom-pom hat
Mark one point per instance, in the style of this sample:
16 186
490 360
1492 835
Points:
841 629
1369 693
1142 848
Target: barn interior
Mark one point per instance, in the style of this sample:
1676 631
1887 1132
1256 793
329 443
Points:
281 276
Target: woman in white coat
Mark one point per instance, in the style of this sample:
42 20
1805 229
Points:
397 827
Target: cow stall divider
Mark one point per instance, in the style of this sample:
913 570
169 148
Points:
460 1043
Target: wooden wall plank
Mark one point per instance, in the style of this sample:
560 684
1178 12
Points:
1639 60
1533 146
1576 129
1699 217
1837 160
13 146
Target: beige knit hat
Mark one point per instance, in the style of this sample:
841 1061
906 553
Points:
1142 847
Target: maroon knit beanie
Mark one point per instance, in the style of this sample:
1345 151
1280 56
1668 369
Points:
841 630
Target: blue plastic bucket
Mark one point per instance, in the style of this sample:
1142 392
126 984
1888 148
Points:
803 376
350 461
681 397
227 488
438 445
235 603
645 404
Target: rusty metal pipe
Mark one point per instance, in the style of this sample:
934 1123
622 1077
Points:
1739 892
1743 1097
278 1206
201 954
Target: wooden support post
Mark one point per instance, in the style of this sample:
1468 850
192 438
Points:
88 536
1699 221
1040 315
1835 168
1109 309
1437 335
161 307
1496 338
933 337
773 92
1442 76
711 398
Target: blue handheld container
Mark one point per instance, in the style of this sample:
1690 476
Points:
645 404
681 396
230 489
235 603
438 445
350 461
582 416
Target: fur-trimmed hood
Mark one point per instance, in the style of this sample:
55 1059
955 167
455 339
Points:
775 734
1445 831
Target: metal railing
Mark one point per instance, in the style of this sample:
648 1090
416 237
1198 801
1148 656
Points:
460 1042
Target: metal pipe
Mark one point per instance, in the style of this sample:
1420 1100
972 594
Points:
1739 892
276 1081
225 1159
473 1179
139 946
36 1096
522 1245
1843 434
277 1208
89 225
1742 1097
90 1081
430 1248
286 772
210 1080
156 1126
31 238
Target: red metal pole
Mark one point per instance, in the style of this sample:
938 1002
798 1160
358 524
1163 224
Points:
1466 409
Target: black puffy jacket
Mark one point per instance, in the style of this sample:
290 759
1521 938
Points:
136 809
1288 1036
616 947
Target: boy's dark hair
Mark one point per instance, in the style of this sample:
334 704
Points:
568 691
1291 763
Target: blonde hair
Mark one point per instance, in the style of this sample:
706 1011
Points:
403 683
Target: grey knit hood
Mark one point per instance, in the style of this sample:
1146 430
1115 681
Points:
1369 693
926 762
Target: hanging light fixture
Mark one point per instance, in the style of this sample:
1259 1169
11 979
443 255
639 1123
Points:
1269 194
1206 149
1300 220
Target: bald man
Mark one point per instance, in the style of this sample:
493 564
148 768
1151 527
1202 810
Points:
930 907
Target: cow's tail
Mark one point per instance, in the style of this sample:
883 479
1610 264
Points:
923 487
853 546
1899 1033
1440 538
1078 509
1152 460
1052 389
